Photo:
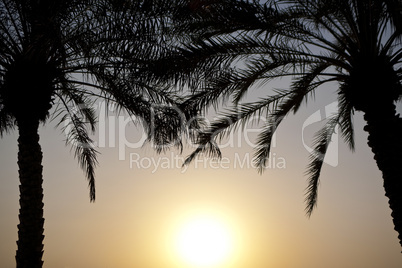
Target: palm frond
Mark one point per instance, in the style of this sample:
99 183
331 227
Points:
84 151
346 121
321 143
167 127
290 102
211 18
7 122
72 97
263 148
306 83
229 121
394 11
207 146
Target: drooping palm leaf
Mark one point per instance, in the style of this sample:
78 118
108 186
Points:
312 42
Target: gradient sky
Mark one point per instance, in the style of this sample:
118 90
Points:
139 207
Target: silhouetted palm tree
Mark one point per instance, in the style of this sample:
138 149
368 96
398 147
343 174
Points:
237 44
71 53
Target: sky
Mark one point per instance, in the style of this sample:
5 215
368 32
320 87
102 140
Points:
144 199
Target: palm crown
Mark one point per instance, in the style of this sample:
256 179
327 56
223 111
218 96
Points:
65 55
357 43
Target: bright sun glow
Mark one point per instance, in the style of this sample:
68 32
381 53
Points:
204 242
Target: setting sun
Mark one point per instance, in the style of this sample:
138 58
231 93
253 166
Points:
204 241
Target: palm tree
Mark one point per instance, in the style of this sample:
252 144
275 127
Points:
56 58
234 45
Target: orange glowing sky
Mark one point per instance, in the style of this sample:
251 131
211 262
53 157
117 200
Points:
138 206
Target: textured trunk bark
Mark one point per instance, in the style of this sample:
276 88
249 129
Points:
385 131
30 228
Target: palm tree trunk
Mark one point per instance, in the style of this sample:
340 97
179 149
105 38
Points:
30 229
385 131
